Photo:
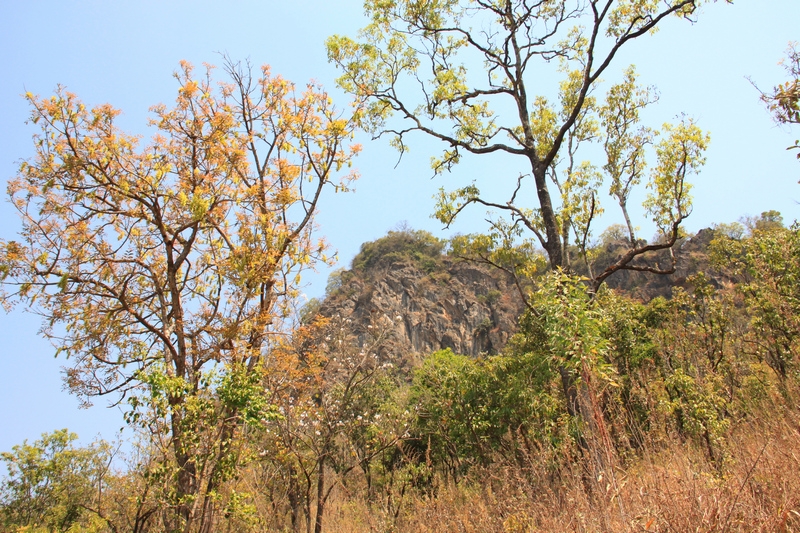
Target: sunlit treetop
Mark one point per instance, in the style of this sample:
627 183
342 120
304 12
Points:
185 250
477 75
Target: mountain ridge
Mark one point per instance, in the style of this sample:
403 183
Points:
437 301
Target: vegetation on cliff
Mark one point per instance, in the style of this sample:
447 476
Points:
693 420
527 378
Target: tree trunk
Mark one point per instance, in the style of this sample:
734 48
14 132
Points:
295 499
570 387
187 471
320 495
552 232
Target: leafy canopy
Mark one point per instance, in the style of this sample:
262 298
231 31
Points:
472 75
52 484
163 271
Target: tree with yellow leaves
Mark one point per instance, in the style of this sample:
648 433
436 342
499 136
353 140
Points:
475 76
163 271
784 100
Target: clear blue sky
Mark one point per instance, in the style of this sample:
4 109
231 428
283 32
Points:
124 53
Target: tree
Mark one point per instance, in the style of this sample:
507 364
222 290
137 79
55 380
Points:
784 100
163 271
53 485
766 265
332 386
768 221
476 65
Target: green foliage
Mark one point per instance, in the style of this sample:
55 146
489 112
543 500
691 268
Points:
702 363
336 280
572 323
491 297
449 407
732 230
405 244
240 391
600 348
768 267
767 221
241 513
309 310
504 248
476 411
52 485
603 373
697 406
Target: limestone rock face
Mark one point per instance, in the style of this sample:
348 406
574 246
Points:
469 308
432 301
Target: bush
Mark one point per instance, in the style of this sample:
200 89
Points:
417 245
51 484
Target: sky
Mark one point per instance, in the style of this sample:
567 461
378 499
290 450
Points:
124 53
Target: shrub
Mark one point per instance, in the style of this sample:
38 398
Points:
417 245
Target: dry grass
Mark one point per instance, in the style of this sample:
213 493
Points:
675 490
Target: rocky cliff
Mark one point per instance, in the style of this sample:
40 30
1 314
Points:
691 257
434 301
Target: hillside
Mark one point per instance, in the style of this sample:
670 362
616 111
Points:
470 308
443 302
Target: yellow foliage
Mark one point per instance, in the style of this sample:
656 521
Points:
178 261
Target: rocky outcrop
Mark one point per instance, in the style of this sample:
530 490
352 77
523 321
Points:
431 301
469 308
691 257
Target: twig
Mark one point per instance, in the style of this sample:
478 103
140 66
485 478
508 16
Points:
744 482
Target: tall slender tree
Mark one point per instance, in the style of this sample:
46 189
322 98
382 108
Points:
473 74
162 272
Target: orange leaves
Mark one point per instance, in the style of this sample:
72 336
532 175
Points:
297 362
189 89
192 243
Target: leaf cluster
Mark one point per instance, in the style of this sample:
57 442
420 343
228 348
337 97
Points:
53 485
418 246
784 100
